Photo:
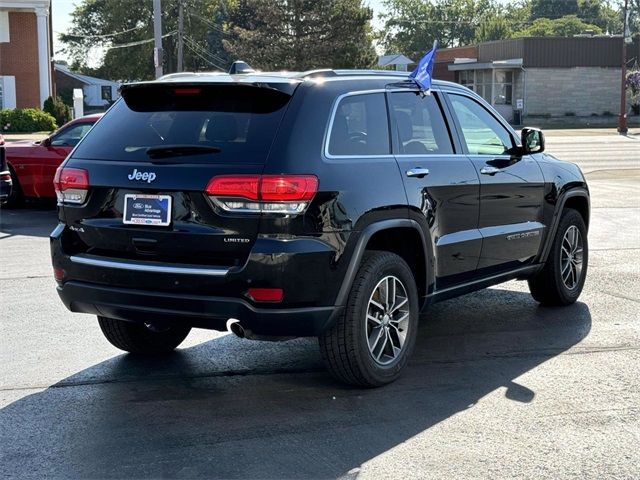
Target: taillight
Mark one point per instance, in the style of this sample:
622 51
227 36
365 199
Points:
59 274
71 184
289 194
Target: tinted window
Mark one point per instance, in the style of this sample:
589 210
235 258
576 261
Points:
483 134
360 126
72 135
240 121
420 125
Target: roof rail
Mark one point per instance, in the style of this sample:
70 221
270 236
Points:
323 73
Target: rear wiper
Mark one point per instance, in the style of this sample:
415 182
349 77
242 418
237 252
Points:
166 151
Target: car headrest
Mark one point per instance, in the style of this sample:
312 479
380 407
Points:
405 127
222 127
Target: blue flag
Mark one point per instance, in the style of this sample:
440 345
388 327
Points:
423 72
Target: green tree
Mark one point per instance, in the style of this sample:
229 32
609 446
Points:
410 26
553 9
300 34
493 28
56 107
566 26
110 24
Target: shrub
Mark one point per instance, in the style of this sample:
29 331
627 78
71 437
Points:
26 120
56 107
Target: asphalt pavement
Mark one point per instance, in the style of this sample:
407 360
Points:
497 387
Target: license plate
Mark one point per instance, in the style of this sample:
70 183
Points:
147 210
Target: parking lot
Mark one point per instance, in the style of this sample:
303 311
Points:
497 387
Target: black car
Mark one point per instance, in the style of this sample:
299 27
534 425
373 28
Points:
336 204
5 175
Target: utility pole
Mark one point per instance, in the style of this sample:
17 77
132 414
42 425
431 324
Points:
622 118
180 35
157 37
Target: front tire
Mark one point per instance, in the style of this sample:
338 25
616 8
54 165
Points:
374 337
561 280
142 338
16 197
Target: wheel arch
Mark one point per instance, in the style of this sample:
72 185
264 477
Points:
576 198
403 237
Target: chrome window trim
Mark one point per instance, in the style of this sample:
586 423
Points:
132 265
334 108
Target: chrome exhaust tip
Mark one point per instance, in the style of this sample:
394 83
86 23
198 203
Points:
233 325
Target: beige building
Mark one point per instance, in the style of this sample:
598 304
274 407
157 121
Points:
542 77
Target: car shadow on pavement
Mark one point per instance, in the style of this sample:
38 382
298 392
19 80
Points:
27 222
254 418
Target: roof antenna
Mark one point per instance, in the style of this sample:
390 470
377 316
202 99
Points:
240 67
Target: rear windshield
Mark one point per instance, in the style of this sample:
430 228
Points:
239 122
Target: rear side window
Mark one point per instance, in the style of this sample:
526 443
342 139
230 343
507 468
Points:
360 126
240 122
420 125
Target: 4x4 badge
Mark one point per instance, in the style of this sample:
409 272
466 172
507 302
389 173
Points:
145 176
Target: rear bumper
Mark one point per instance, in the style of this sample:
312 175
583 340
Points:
207 297
193 310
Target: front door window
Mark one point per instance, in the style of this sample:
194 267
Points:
483 134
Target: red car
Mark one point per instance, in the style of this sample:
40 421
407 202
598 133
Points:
33 164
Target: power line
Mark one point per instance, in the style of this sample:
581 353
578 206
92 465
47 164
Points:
202 50
210 24
202 57
139 42
101 36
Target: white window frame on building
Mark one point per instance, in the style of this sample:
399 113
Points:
42 10
493 81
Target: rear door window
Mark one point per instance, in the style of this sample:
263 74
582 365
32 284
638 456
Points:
420 125
360 126
240 122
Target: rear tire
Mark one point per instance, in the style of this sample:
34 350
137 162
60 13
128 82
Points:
374 337
561 280
141 338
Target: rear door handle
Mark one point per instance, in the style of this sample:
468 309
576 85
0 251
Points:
418 172
489 170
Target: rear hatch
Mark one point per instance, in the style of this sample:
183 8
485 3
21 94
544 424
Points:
149 162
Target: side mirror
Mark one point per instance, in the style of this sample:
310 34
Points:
532 140
46 142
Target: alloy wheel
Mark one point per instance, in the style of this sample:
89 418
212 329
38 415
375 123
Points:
387 320
571 257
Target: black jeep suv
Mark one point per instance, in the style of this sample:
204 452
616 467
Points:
336 204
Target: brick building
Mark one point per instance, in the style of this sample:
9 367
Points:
25 53
549 77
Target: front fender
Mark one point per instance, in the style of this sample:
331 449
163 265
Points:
555 221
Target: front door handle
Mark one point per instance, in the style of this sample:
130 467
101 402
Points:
489 170
418 172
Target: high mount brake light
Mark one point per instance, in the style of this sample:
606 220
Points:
187 91
71 185
289 194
